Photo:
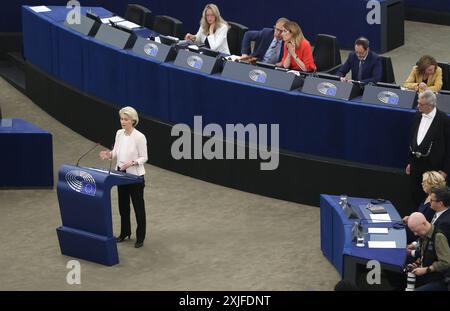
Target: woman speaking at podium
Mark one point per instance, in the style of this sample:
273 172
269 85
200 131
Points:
130 150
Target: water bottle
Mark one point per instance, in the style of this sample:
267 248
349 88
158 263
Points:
343 201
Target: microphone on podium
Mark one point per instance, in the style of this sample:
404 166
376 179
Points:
110 161
85 154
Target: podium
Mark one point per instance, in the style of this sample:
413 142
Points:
84 196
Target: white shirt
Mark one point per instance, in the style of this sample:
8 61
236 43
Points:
131 148
217 41
436 216
425 124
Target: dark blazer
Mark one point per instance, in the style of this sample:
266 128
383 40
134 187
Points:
371 67
443 224
439 134
262 39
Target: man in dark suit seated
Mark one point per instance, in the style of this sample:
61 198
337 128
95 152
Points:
364 64
429 144
268 43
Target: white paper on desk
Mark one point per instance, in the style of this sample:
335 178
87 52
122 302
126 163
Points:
382 244
380 217
114 19
378 230
128 25
40 8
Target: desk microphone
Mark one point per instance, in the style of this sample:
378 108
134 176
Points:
110 161
87 153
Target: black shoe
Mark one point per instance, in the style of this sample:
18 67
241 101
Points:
122 238
139 244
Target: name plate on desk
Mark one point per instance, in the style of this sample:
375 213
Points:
198 62
154 50
330 88
261 76
389 97
87 26
115 37
443 102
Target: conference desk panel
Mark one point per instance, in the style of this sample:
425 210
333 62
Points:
336 237
345 19
26 154
346 130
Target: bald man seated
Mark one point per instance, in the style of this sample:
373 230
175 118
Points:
434 261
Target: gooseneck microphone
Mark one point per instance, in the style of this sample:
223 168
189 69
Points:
85 154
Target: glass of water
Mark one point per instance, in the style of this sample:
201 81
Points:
343 200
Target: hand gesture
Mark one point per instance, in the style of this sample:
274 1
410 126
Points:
211 28
105 154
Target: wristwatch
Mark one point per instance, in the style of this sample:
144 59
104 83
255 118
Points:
429 269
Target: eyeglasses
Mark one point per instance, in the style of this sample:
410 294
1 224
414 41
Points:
433 200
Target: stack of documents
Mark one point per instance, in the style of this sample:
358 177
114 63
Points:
380 217
128 25
40 8
113 19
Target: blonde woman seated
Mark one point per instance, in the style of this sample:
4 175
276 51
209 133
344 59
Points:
297 50
213 30
426 75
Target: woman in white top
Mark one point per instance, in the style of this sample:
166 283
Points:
130 149
214 28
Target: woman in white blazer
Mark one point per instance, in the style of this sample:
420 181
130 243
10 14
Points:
214 28
130 150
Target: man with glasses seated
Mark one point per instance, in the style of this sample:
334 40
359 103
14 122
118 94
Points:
429 144
364 64
268 43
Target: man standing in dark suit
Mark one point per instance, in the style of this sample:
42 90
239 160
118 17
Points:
268 43
429 145
364 64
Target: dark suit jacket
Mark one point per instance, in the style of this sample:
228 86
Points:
439 134
262 39
371 68
443 224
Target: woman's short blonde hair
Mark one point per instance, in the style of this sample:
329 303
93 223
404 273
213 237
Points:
219 20
296 32
130 112
433 179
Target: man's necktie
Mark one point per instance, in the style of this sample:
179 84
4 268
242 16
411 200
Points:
271 54
434 219
360 70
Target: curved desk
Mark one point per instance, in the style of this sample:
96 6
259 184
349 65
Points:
346 257
67 70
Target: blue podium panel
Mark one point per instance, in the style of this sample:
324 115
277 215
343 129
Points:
197 62
30 151
261 76
330 88
154 50
84 196
389 97
336 234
